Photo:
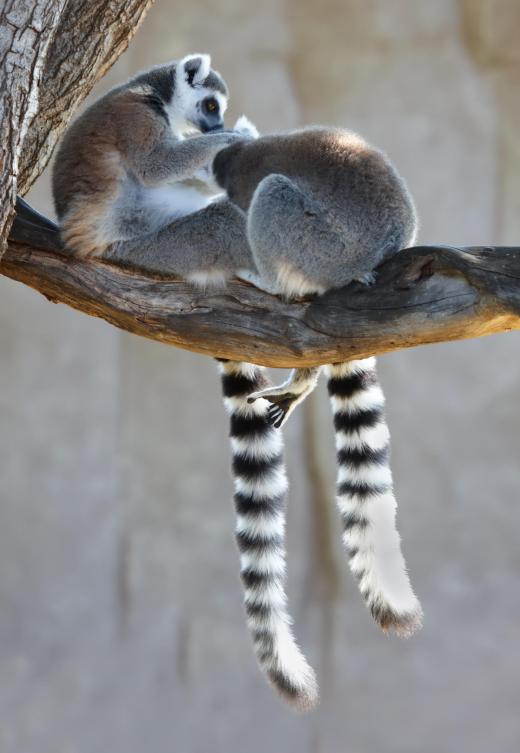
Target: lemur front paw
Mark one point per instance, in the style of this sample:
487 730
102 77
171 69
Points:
246 128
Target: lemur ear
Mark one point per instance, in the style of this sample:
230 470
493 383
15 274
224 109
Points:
196 68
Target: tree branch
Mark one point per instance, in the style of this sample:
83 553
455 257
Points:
423 295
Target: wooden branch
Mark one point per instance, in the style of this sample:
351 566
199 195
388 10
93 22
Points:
423 295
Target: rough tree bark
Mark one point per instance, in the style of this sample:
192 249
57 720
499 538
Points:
27 28
51 54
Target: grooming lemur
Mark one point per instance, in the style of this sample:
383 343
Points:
131 165
322 208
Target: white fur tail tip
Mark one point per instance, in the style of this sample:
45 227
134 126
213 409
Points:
403 624
294 679
286 667
244 125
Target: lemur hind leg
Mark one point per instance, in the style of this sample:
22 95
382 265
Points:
298 244
365 496
297 247
285 397
205 247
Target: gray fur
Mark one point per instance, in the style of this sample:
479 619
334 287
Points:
319 200
211 239
325 209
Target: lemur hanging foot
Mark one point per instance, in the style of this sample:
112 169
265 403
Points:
288 395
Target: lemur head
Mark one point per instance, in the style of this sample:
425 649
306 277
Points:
200 96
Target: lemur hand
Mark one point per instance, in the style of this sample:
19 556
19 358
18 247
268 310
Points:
246 128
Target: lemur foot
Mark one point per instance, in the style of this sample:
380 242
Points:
282 403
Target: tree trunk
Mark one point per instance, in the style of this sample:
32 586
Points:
27 28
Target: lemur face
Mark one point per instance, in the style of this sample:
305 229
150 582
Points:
210 111
201 96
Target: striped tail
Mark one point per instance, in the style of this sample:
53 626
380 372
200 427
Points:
260 490
365 497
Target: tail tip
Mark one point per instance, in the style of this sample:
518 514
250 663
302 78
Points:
403 624
301 696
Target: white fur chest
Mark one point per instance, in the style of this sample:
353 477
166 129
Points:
169 203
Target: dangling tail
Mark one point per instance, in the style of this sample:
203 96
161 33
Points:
260 490
365 497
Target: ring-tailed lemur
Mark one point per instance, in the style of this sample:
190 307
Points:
125 171
325 209
128 187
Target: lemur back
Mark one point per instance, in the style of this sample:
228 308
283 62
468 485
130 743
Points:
323 206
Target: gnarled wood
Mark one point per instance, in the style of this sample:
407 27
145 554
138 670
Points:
423 295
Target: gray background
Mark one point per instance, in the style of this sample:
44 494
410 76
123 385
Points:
121 624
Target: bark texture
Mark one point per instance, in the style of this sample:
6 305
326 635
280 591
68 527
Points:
51 54
27 28
423 295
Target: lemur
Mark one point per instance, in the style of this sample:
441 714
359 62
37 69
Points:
137 160
324 209
129 187
296 206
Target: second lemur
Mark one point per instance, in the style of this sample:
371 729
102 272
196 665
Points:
325 209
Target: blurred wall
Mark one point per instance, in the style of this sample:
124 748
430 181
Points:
121 624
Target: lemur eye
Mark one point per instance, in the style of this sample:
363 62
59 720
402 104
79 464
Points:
211 105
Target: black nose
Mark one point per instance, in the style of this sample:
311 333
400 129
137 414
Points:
207 126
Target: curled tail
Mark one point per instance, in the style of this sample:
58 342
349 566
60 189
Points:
260 490
365 496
